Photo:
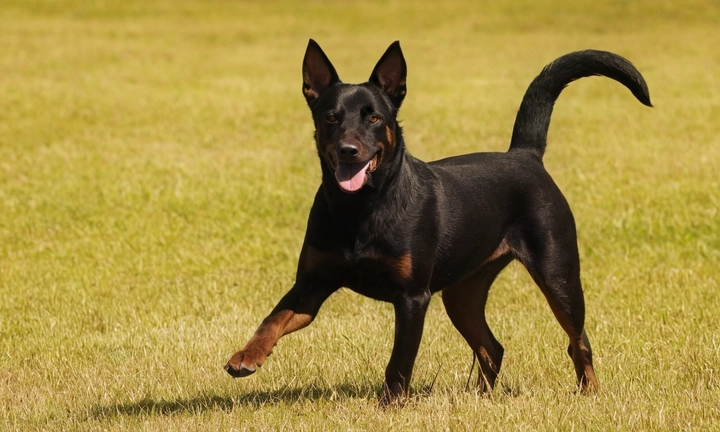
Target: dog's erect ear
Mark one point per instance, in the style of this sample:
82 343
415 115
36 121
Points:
318 72
390 73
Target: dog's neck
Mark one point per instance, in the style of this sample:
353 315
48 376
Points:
391 182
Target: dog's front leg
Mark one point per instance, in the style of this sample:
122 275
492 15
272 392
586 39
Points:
409 320
295 310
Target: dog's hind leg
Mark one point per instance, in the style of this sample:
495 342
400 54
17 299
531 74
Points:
554 264
566 301
465 305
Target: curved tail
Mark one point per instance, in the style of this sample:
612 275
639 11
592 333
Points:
533 117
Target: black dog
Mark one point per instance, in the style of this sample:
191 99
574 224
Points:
394 228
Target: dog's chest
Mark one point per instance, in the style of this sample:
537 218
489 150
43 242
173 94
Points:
368 272
379 276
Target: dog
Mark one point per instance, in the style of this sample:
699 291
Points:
396 229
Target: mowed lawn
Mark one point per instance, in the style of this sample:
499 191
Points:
157 167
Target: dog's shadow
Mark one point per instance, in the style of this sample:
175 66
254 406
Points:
251 400
255 400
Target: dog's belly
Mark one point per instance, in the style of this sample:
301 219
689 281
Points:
458 268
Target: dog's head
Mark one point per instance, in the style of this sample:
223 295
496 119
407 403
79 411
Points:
356 127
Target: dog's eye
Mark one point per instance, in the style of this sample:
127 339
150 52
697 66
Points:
330 118
373 119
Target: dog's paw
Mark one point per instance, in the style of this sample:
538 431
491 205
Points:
393 396
244 363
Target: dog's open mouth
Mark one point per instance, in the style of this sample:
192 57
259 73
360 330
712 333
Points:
352 176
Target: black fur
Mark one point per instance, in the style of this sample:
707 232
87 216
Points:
396 229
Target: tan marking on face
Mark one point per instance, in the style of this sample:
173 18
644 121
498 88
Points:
389 147
391 139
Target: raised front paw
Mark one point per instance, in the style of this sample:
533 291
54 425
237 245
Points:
245 362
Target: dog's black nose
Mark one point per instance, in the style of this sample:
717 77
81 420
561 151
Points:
348 152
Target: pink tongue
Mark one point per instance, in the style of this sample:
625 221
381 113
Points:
351 177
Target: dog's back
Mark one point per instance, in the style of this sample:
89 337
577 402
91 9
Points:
511 194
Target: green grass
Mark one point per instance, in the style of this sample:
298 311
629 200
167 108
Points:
157 168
